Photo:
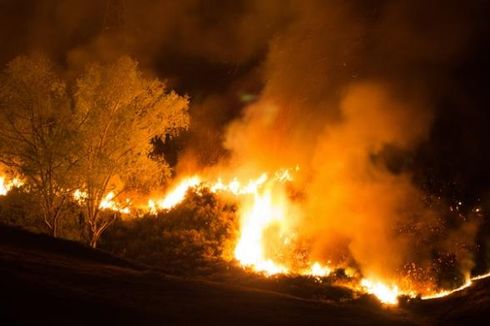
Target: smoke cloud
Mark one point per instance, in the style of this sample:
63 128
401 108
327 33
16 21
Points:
349 96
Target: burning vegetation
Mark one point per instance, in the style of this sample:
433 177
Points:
255 229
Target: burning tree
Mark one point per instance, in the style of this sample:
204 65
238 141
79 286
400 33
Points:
119 113
36 134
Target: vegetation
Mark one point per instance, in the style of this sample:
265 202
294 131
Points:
36 133
95 137
119 112
201 228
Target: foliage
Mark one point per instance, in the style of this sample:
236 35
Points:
202 227
96 137
35 134
19 208
119 113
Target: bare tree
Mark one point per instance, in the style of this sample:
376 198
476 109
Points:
119 112
35 134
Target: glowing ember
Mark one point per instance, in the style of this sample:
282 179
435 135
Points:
386 294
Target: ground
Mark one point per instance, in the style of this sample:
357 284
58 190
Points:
45 280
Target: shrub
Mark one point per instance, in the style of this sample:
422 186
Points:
202 227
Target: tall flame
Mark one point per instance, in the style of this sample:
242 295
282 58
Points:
254 220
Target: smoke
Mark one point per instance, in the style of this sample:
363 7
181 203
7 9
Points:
349 95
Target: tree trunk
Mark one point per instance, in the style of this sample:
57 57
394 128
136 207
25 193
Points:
54 230
92 221
93 241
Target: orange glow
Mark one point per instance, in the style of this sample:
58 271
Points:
255 218
175 195
108 202
387 294
318 270
264 202
469 281
6 185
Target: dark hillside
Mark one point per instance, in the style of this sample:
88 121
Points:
60 282
51 281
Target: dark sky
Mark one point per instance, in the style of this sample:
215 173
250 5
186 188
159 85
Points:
225 54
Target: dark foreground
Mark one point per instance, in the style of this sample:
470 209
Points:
49 281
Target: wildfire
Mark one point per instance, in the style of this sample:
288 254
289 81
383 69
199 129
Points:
264 202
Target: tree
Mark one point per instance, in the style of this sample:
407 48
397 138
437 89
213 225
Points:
119 113
35 134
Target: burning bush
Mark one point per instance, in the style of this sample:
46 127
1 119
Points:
202 227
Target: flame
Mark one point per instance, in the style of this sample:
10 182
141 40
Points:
387 294
318 270
469 281
7 185
235 187
108 202
175 196
79 196
249 250
263 203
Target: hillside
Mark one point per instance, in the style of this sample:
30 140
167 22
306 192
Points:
61 282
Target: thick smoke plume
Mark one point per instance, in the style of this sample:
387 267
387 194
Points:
347 98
